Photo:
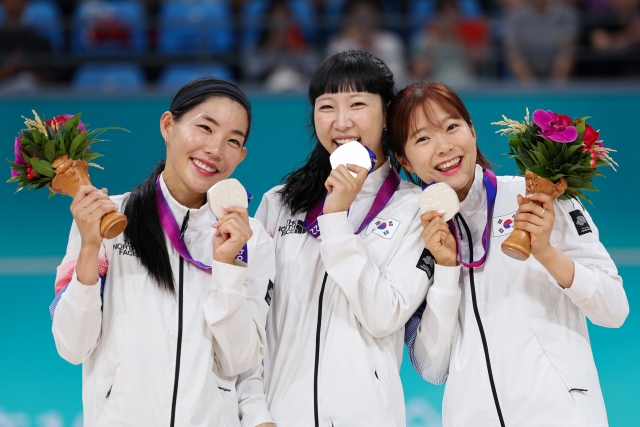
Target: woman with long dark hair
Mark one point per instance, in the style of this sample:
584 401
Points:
168 318
510 337
348 272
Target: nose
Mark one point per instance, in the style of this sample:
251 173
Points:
215 147
444 146
343 120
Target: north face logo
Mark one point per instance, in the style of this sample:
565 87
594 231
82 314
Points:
292 227
124 248
582 226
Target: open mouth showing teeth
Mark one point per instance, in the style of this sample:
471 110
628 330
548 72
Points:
345 140
449 165
202 166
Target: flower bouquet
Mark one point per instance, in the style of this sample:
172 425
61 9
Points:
558 156
55 153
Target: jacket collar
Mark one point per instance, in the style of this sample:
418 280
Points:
196 216
374 181
477 197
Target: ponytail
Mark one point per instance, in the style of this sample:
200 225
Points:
145 234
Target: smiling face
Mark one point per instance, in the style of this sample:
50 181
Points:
342 117
444 151
203 147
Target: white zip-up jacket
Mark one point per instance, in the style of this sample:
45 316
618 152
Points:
336 325
537 342
125 331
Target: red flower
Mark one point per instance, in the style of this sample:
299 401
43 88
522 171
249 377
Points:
60 120
563 120
590 136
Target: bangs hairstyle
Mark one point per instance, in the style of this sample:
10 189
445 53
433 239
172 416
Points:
404 112
348 71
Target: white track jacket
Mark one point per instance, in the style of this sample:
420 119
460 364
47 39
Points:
537 342
336 325
126 335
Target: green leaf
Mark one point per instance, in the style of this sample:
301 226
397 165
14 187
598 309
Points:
49 151
580 128
37 138
51 134
90 155
42 167
541 171
77 141
541 160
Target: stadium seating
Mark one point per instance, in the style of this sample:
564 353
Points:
109 78
175 76
193 27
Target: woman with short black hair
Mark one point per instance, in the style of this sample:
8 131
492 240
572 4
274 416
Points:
347 262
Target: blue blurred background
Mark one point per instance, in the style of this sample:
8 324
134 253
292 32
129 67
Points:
120 61
38 388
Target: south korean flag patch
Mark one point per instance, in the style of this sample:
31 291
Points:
385 228
503 225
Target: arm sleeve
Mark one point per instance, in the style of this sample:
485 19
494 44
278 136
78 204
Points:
268 211
430 332
597 288
236 309
382 300
77 309
252 402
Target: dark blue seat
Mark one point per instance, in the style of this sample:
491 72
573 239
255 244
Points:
177 75
195 27
109 77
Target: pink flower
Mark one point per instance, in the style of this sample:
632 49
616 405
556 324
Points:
18 159
556 127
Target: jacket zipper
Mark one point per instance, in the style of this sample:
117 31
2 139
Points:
479 322
317 362
185 222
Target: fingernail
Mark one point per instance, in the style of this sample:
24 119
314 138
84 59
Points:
528 196
226 206
441 211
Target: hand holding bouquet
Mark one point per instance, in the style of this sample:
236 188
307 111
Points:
558 156
56 154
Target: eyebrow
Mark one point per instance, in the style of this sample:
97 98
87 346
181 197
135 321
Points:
215 122
417 131
352 95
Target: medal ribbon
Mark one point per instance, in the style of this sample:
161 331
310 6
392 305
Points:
385 193
491 187
170 226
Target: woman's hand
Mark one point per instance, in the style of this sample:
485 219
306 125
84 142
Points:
232 232
538 221
343 188
88 207
438 239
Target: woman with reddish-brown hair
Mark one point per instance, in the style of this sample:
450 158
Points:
509 337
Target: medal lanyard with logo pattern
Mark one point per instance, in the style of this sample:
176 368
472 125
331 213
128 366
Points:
170 226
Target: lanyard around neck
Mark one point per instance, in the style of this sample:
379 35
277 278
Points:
491 187
175 234
383 197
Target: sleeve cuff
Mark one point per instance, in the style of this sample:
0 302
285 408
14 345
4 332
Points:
83 296
446 278
583 286
334 224
228 276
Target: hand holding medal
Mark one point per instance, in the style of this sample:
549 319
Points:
438 204
228 201
351 162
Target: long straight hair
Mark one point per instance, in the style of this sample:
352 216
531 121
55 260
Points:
404 112
348 71
144 231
